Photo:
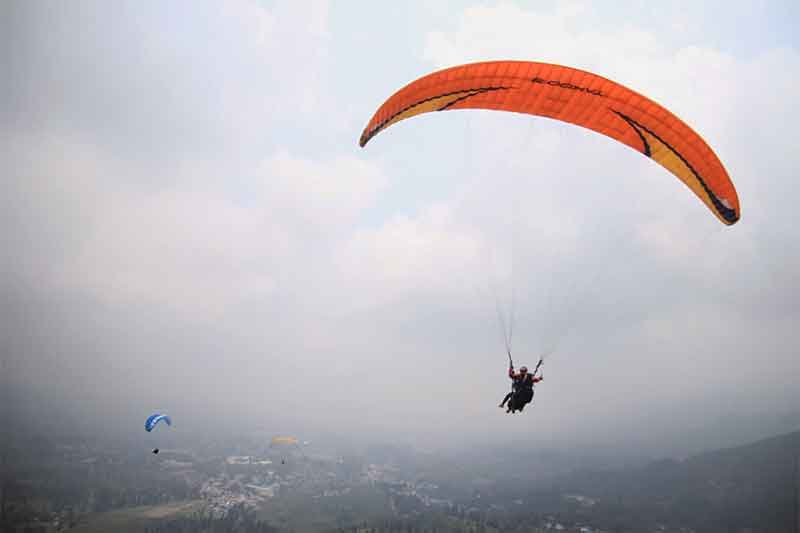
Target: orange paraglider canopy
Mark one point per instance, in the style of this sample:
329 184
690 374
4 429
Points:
574 96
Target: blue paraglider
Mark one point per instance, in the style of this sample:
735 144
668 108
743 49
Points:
154 419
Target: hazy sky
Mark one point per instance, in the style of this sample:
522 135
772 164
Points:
190 225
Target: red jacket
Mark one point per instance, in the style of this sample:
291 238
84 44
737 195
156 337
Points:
517 376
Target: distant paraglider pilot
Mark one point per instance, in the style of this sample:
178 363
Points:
521 388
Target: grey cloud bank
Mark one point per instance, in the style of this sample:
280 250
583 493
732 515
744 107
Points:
188 223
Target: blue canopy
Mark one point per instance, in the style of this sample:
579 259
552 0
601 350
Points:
154 419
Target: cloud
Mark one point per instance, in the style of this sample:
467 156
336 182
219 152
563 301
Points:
183 192
410 255
326 195
197 249
161 83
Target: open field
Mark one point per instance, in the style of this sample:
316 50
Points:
136 518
